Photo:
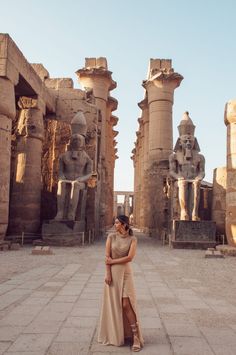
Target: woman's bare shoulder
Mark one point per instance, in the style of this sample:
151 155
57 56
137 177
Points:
133 238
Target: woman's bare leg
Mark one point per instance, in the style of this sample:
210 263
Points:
128 310
131 316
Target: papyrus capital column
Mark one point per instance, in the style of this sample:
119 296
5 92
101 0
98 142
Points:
7 114
145 121
134 158
115 200
112 104
160 86
96 77
127 205
144 128
219 198
26 186
156 135
230 121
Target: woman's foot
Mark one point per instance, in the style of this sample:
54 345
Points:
136 344
136 341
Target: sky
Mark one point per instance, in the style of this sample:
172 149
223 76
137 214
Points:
198 35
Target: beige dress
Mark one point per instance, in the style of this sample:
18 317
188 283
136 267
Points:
114 326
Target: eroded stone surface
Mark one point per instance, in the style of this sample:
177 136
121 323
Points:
35 132
187 169
230 221
153 146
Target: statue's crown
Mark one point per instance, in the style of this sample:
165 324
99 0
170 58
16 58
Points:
79 124
186 125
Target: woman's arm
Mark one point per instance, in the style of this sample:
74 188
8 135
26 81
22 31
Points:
108 278
125 259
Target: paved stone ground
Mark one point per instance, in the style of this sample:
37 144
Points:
50 304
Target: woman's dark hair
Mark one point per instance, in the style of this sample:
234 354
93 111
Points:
125 221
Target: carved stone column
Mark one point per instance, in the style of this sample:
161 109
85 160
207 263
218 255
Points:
96 76
132 206
110 135
134 158
160 86
115 205
145 205
218 198
26 189
141 198
127 205
230 121
7 114
113 149
138 182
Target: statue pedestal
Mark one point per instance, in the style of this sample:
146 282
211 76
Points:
226 250
62 233
193 234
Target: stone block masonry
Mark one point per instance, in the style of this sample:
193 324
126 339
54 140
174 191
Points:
153 146
35 116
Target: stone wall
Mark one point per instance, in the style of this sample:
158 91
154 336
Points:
57 134
35 116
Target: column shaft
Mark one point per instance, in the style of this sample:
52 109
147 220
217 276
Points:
160 86
230 120
26 187
160 130
7 113
141 175
97 77
219 199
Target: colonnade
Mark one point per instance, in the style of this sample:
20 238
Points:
153 146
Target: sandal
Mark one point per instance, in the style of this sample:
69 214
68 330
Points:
136 341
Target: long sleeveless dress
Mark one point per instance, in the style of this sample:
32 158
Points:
114 327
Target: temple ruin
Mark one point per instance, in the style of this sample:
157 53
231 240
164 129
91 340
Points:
126 205
156 201
37 136
35 116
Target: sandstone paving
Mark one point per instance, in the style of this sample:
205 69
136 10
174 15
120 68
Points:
50 305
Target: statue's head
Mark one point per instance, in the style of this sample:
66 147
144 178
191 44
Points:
77 142
79 124
186 126
186 141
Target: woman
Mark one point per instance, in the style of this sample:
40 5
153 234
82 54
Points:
119 318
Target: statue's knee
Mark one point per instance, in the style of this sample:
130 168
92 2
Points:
61 187
78 185
62 184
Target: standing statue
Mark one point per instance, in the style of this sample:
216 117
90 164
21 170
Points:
187 168
75 169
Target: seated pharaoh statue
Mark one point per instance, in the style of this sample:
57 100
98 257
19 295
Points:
187 168
75 168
